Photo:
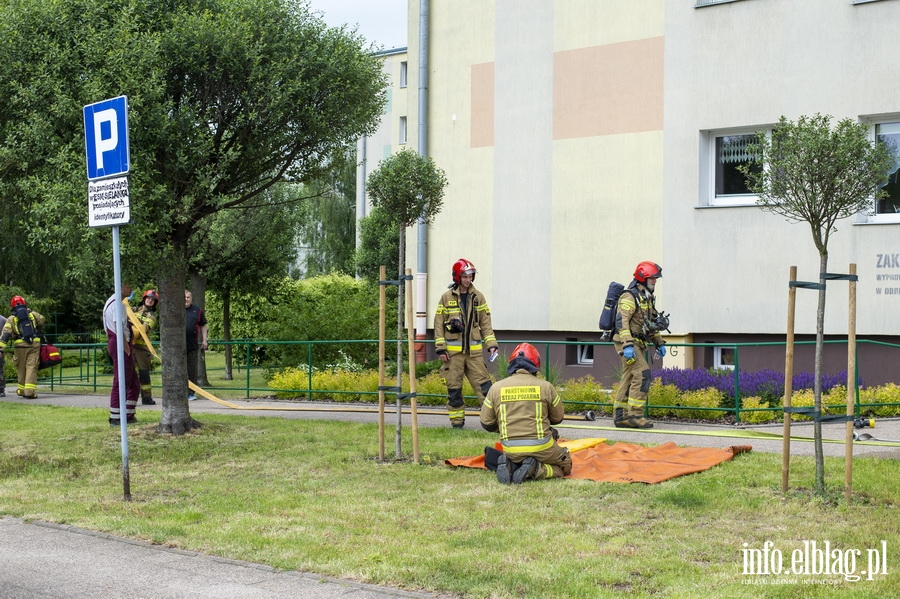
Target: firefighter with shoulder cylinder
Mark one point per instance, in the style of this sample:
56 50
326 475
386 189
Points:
522 408
638 325
462 329
22 328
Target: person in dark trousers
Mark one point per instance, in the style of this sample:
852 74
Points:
132 383
196 331
523 409
462 330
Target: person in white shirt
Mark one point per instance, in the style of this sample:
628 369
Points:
132 382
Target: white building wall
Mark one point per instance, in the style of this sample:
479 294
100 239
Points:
747 63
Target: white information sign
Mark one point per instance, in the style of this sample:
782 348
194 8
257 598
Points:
108 203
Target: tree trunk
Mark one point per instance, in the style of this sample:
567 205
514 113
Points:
176 417
226 331
817 386
198 288
401 289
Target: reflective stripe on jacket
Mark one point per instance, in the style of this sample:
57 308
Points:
522 407
477 332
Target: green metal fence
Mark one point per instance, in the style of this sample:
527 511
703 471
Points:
93 370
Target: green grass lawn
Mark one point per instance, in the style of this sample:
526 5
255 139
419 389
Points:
311 495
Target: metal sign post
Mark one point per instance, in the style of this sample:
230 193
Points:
108 157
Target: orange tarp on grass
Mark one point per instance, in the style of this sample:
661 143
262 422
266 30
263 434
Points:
630 463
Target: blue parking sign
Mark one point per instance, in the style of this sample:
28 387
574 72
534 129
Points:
106 138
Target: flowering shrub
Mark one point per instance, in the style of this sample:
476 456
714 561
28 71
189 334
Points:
749 403
353 386
583 394
886 394
663 395
674 398
767 384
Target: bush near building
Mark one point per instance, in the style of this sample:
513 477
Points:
681 399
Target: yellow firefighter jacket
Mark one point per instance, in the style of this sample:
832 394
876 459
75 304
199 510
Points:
11 330
633 319
522 407
475 317
147 318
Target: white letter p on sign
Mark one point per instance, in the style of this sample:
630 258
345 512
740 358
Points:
105 144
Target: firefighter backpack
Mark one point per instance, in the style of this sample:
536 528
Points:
608 314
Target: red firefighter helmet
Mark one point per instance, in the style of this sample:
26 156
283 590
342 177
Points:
150 293
463 267
647 270
527 351
17 300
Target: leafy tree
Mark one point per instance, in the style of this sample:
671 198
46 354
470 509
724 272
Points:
378 238
327 308
408 188
240 250
328 228
818 174
226 99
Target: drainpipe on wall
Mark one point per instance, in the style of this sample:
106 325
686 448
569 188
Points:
422 246
361 191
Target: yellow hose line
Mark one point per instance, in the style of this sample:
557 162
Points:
736 434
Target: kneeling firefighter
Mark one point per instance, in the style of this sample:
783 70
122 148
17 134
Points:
638 324
523 408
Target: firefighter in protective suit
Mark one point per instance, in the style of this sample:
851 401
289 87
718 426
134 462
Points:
462 328
22 329
146 315
635 330
523 408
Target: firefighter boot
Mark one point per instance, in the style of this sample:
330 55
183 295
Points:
635 418
505 469
528 469
619 417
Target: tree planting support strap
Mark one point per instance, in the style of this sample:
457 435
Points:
396 282
820 417
825 276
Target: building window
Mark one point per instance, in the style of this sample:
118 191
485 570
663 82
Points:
403 68
402 130
725 152
889 135
723 357
585 354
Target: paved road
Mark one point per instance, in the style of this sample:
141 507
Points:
43 561
50 561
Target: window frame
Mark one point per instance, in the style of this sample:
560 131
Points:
404 73
873 122
718 364
582 351
708 197
403 133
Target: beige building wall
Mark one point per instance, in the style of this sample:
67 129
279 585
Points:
547 118
386 140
